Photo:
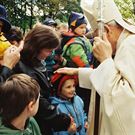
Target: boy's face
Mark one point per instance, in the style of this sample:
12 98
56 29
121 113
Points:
81 30
68 89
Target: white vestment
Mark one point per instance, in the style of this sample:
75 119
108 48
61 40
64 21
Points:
114 80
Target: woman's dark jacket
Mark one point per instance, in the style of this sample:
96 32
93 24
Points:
46 117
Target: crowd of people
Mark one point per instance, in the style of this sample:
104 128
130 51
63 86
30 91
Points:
48 78
37 55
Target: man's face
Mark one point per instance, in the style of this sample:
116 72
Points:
112 33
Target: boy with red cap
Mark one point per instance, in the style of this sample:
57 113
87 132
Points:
68 102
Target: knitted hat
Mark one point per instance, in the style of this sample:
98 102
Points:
59 79
75 20
3 18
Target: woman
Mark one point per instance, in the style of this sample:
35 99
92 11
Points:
38 44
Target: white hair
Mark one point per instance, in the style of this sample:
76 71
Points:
113 23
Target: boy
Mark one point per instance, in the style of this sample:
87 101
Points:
77 49
19 101
53 61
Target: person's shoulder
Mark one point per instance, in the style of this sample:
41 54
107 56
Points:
82 40
5 70
7 131
34 126
130 39
32 121
57 101
76 97
79 38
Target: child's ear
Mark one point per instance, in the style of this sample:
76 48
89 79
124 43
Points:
31 106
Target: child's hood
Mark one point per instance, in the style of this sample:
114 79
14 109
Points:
55 100
66 37
8 131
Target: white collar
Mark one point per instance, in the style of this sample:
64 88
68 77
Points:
122 36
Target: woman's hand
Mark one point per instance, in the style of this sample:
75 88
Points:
68 71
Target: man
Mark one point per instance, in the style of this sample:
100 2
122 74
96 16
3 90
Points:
114 78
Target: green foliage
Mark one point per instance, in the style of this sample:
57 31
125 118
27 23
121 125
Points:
25 13
126 8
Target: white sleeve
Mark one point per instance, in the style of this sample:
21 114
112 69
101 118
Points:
84 77
113 77
102 74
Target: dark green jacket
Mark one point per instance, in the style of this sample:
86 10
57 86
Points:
32 128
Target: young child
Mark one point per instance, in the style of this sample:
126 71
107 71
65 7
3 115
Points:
62 28
77 49
68 102
19 100
14 36
54 60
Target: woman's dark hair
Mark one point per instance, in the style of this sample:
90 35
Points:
40 37
15 95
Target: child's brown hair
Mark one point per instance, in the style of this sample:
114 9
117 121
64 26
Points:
40 37
15 94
